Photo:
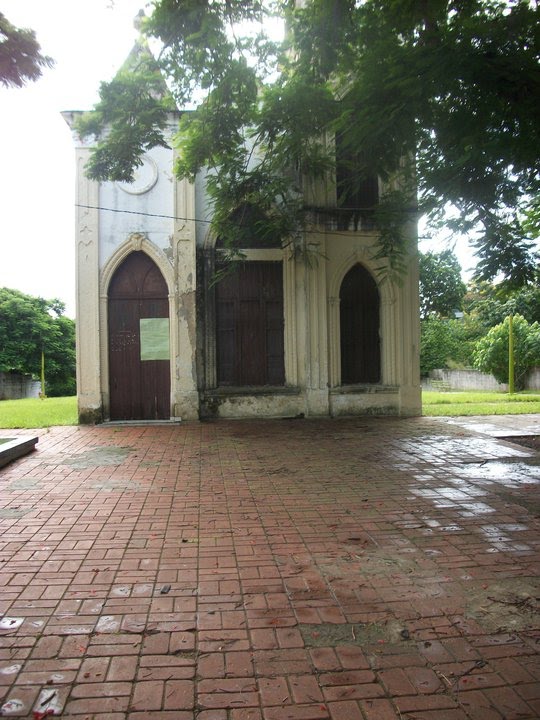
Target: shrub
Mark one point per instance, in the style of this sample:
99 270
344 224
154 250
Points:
491 352
444 343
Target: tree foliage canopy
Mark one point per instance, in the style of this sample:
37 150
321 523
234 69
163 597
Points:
486 303
440 96
29 325
448 343
20 55
444 343
441 288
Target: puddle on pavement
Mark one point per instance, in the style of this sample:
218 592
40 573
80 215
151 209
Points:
499 532
518 473
471 480
500 478
465 448
472 509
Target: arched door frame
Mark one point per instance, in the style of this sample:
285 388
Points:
387 297
135 242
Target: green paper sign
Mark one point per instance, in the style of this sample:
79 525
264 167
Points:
154 334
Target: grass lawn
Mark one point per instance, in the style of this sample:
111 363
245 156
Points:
436 404
36 413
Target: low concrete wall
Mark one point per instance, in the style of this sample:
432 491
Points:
473 380
533 380
16 387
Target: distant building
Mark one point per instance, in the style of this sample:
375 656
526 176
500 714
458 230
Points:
159 339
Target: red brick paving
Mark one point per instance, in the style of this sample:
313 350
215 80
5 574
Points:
358 569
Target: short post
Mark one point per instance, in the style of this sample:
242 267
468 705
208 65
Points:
42 393
511 386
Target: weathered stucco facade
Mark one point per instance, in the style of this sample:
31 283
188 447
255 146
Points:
166 220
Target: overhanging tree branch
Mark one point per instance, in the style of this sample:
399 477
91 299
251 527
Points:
453 85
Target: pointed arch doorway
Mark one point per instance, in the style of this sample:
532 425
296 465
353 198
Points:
359 328
139 359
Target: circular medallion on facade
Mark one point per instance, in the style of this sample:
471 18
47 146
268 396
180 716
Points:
144 178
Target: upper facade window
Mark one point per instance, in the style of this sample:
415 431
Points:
249 229
357 193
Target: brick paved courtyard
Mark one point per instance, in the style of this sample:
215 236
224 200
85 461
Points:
359 569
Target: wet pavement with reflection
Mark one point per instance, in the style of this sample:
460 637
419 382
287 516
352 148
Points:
362 569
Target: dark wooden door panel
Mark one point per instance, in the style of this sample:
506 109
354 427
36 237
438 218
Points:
139 389
252 350
226 339
275 344
155 385
124 366
249 326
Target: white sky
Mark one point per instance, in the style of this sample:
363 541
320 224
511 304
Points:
89 40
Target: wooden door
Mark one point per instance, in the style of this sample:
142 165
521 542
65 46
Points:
249 323
359 328
139 363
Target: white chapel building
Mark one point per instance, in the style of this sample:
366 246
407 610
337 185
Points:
158 339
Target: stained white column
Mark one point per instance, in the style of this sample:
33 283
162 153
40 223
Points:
289 309
410 390
185 398
317 333
87 294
